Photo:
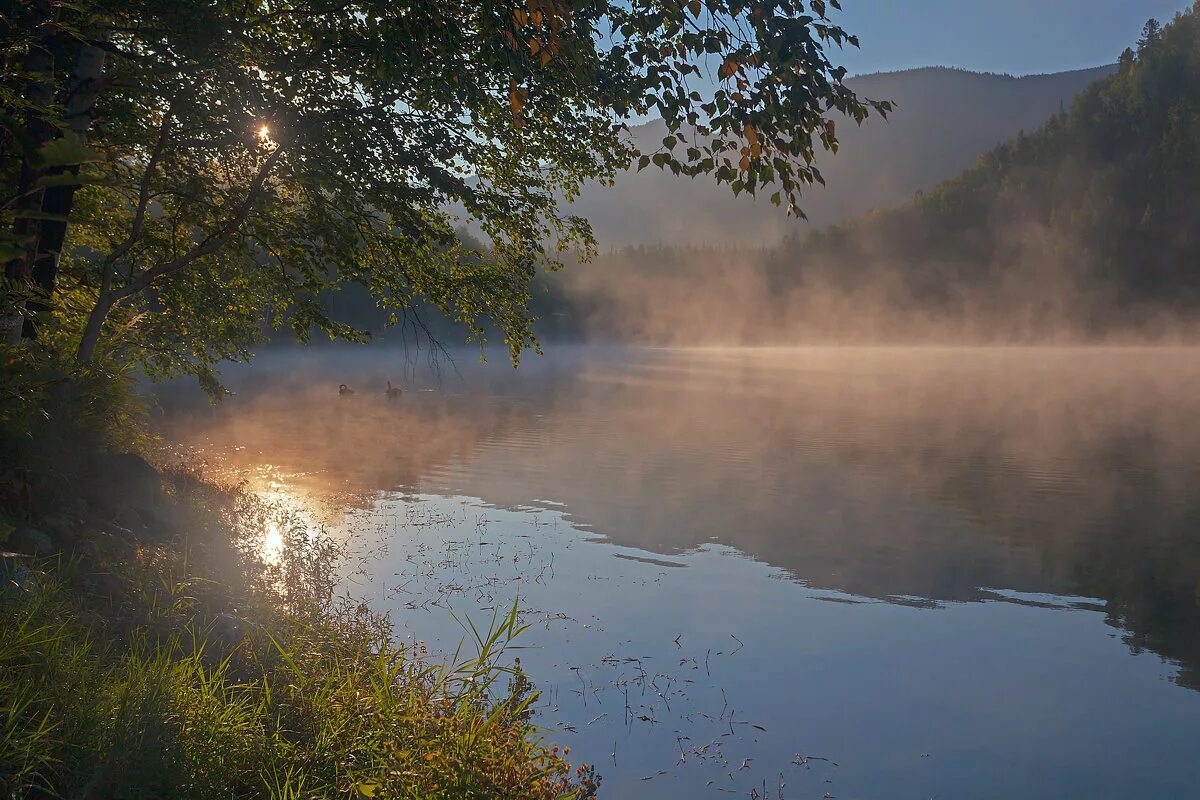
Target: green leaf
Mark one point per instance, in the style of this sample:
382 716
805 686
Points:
66 152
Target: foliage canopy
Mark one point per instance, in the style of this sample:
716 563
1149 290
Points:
210 162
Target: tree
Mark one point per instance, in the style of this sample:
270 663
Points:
212 162
1151 35
1126 60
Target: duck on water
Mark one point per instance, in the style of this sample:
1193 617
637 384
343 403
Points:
392 392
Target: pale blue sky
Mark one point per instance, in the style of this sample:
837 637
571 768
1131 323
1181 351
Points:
1015 36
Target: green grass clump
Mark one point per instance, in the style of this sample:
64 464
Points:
316 708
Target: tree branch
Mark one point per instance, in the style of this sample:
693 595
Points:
139 217
212 243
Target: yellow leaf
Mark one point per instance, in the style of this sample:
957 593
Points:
368 788
744 163
516 101
728 69
752 138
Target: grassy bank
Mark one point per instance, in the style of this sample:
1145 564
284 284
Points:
148 651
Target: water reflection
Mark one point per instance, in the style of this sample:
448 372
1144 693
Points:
708 673
1030 496
912 475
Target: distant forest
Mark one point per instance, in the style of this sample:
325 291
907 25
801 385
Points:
1094 218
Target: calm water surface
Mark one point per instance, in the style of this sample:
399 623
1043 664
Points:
854 573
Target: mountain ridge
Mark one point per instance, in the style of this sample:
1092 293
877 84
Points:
945 118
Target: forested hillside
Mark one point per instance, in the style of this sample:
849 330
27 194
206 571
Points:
1086 228
1092 219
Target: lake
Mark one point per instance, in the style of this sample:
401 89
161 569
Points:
828 572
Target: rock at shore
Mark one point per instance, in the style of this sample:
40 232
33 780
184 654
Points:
130 491
33 542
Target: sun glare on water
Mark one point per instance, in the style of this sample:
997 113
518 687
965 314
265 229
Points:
287 507
272 543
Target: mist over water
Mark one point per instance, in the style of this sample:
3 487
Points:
875 285
939 568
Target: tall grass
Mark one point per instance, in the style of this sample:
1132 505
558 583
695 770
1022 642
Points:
307 702
184 665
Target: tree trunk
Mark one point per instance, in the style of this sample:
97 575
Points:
39 94
95 323
83 89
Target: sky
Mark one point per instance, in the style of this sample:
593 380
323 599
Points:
1020 37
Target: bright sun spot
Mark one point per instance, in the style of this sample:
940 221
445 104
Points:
272 544
264 133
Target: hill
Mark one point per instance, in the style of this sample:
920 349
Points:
1086 228
944 119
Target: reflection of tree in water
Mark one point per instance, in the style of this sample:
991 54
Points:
902 475
1125 528
1146 563
931 477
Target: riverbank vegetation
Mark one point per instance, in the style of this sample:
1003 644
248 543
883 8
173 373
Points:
149 646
